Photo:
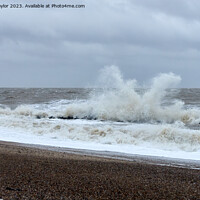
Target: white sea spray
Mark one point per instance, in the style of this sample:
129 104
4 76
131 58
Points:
123 103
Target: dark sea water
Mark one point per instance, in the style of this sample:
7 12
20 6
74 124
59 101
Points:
16 96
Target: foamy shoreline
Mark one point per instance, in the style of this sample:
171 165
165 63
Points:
152 160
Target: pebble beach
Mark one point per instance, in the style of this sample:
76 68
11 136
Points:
31 173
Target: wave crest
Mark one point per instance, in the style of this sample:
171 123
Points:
120 101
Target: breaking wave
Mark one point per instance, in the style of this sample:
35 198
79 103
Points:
119 101
123 103
119 114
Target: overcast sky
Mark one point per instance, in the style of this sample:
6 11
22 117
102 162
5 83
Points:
68 47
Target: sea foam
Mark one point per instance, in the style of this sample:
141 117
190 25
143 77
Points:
123 103
121 116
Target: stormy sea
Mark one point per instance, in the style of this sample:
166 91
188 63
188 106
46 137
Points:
158 119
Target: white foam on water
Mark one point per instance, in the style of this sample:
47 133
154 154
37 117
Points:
126 121
52 139
172 140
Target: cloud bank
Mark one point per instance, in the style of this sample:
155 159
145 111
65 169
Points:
68 47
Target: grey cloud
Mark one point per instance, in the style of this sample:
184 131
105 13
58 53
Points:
131 27
67 47
186 9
